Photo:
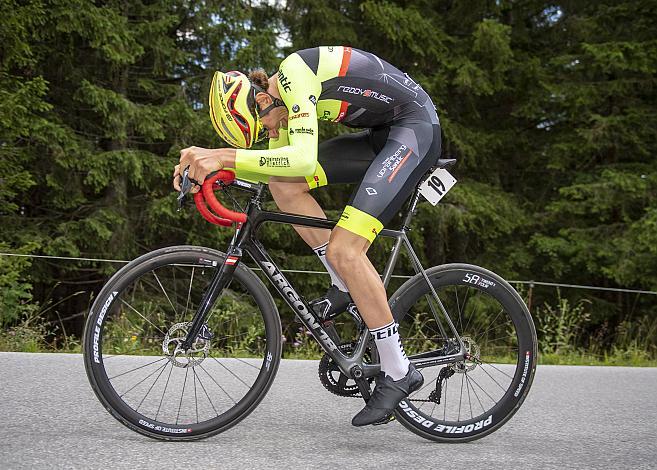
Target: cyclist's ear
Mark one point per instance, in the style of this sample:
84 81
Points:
263 99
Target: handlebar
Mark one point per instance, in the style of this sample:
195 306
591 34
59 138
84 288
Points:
222 216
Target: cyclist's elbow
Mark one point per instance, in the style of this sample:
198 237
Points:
307 167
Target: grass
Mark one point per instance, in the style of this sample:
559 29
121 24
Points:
25 340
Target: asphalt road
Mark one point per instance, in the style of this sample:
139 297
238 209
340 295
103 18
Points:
574 417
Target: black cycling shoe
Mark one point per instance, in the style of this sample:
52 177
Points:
332 303
386 396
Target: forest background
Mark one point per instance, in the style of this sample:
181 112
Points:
550 108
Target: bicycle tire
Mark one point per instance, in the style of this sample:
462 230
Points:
487 289
113 330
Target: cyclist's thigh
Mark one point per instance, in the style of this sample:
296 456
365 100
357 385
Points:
343 159
411 149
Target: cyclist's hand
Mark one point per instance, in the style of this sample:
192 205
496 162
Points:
177 179
201 162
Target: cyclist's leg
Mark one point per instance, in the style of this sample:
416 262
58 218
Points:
342 159
409 152
292 195
411 148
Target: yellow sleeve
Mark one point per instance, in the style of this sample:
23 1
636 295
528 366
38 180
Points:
281 141
300 89
243 174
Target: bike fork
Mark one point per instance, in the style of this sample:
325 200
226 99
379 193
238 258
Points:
219 281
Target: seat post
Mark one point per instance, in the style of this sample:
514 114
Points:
406 224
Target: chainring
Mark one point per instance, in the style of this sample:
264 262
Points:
334 380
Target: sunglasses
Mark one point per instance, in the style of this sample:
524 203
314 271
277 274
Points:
263 132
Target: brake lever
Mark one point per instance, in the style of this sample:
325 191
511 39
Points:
186 185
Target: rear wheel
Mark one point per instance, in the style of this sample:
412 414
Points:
469 399
137 323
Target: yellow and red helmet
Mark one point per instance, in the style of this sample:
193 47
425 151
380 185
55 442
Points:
233 109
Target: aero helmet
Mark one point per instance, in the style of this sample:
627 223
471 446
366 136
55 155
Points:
233 109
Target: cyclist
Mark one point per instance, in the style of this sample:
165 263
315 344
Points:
399 143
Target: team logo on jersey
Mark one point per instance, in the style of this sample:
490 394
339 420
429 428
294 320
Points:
283 80
301 130
371 191
326 116
274 162
295 108
296 116
393 162
313 100
367 93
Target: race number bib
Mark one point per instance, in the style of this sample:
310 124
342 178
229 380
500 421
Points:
436 186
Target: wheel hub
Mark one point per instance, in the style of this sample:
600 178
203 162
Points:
174 352
472 354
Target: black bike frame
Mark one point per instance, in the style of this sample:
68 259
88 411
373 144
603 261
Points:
245 240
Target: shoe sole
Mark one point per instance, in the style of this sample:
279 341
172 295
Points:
391 416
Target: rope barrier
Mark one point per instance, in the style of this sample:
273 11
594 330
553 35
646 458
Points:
397 276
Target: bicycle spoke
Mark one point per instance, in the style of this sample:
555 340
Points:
475 393
189 294
467 386
195 396
231 372
151 387
476 335
175 313
163 392
136 368
182 395
491 377
142 381
483 390
465 301
217 383
460 398
458 306
445 402
500 371
205 391
248 364
142 316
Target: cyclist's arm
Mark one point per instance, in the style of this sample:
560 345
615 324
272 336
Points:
281 141
296 83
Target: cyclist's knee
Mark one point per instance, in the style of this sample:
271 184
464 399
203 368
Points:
344 252
288 189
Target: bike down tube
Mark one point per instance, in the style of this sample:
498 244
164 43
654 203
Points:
304 312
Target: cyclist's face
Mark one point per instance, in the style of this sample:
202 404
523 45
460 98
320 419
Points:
274 119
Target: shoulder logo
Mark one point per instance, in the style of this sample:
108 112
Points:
295 108
284 82
299 115
313 100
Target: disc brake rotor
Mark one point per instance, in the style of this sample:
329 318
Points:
473 353
174 352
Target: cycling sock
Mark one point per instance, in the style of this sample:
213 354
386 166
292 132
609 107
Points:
391 352
337 281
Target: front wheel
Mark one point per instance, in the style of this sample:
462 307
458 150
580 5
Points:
136 326
469 399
